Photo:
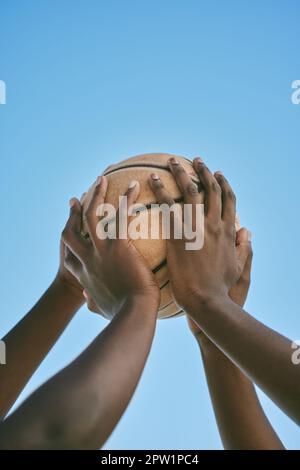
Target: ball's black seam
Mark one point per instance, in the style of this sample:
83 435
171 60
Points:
161 265
137 165
165 284
144 165
151 165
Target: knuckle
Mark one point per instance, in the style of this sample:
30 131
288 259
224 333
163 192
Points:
158 184
191 189
214 229
179 169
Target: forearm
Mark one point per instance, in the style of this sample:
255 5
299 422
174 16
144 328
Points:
100 384
241 420
31 339
263 354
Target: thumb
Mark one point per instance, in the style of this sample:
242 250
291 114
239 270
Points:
243 248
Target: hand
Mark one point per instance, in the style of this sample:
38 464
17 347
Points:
210 272
111 271
238 293
66 278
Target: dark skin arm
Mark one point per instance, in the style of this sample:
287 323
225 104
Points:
80 406
263 354
241 420
30 340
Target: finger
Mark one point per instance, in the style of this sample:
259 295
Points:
212 190
161 193
244 252
71 233
241 236
237 222
82 198
75 214
97 198
163 197
72 263
122 216
246 273
187 187
228 199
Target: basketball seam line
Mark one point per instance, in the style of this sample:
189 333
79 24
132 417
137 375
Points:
143 165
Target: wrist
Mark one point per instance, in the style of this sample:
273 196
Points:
207 302
141 305
68 292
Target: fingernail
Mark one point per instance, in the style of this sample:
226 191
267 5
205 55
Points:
249 236
132 184
154 176
84 294
174 161
98 180
218 173
72 202
198 160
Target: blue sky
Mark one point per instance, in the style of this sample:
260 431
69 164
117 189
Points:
92 82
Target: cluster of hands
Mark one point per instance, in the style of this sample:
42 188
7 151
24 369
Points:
113 272
81 405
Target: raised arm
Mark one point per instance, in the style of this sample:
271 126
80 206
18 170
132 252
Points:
241 420
203 292
81 405
30 340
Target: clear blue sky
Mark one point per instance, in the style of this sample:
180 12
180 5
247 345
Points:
93 82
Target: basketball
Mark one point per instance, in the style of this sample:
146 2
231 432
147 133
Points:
140 168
